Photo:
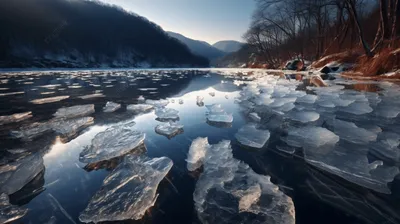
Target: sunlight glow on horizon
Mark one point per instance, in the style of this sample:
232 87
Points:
205 20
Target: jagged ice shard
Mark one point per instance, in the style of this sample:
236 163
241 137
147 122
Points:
170 129
229 191
128 191
9 212
217 114
113 142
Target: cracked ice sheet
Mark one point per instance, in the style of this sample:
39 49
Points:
113 142
128 191
354 167
16 175
250 136
74 111
9 212
228 190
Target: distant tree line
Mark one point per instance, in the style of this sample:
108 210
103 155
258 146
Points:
310 29
85 33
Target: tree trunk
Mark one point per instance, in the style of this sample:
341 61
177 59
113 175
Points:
353 13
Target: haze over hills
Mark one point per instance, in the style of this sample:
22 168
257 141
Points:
61 33
228 46
198 47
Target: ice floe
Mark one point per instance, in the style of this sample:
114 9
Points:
74 111
90 96
167 114
217 114
229 191
71 127
350 132
113 142
304 116
311 137
111 107
49 100
128 191
140 108
158 103
15 118
169 130
251 136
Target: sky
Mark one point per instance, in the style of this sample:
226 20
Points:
206 20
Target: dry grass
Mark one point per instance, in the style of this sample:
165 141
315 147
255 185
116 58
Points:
343 57
385 61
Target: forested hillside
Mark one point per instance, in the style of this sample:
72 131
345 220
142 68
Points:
62 33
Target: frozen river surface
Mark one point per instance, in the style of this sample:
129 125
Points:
197 146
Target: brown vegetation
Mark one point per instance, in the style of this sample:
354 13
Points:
343 57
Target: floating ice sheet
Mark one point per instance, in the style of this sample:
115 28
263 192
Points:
15 118
167 114
229 191
357 108
32 131
74 111
17 174
387 146
128 191
70 128
49 99
9 212
140 108
217 114
250 136
158 103
91 96
170 129
113 142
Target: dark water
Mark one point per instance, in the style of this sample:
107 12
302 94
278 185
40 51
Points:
318 197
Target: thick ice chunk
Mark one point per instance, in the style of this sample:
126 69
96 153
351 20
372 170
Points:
15 118
140 108
158 103
113 142
212 94
250 136
199 101
74 111
167 114
229 191
111 107
304 116
49 99
9 212
141 99
128 191
311 137
15 175
170 129
350 132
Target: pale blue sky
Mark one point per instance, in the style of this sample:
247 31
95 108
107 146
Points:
207 20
